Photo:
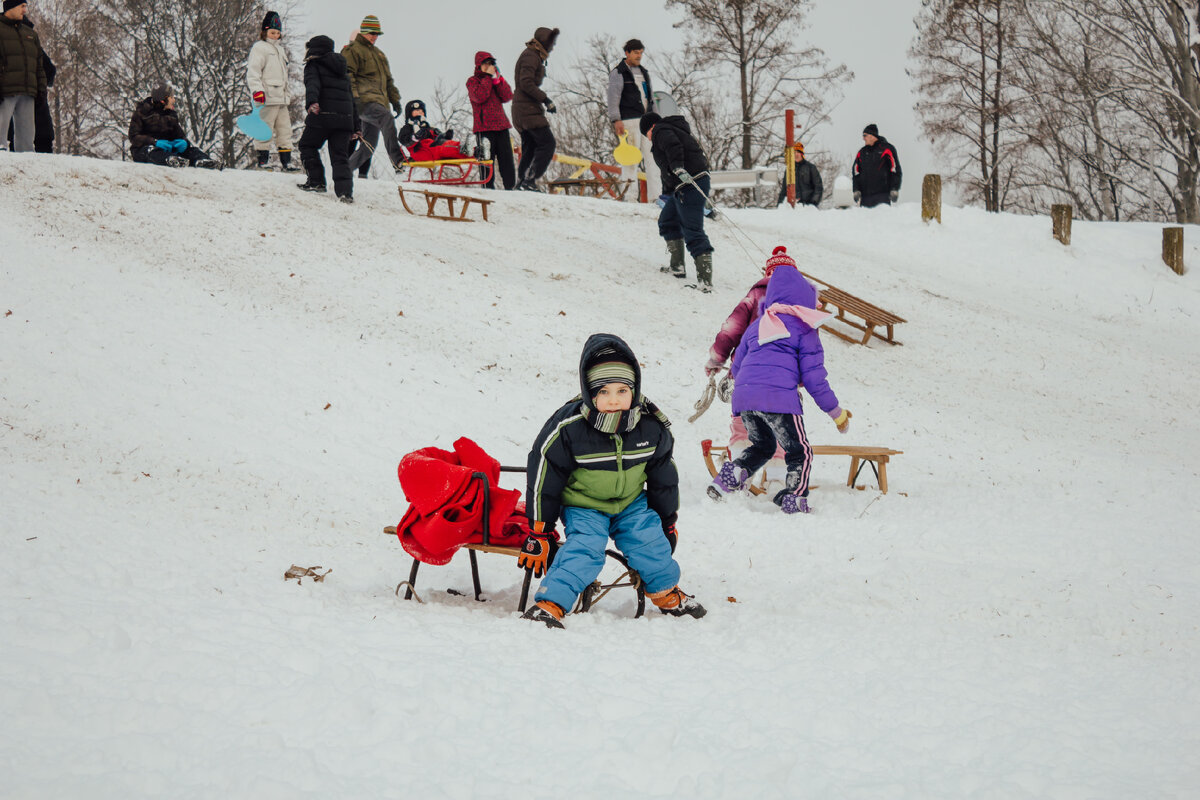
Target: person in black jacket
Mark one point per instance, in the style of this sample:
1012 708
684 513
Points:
43 121
809 188
157 137
876 170
684 169
331 118
604 465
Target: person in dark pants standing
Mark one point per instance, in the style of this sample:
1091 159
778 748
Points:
529 108
877 173
684 169
809 188
331 118
371 81
489 92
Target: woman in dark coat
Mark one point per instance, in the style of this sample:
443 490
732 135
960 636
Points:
331 118
529 116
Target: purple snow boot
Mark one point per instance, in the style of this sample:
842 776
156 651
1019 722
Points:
731 478
794 504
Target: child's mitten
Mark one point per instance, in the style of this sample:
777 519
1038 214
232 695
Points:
260 98
535 553
671 532
841 418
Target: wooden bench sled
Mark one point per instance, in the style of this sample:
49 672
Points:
432 198
873 317
590 596
877 457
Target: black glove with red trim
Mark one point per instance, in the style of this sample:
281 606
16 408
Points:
537 552
670 531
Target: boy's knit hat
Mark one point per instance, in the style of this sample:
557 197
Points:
648 121
872 129
779 257
606 372
370 24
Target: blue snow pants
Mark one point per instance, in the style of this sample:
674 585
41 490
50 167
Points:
636 531
683 218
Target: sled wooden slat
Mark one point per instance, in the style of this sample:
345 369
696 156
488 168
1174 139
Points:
591 187
872 316
860 456
432 199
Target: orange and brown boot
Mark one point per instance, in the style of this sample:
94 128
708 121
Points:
677 604
545 612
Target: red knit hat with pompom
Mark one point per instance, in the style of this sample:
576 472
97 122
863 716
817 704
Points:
778 257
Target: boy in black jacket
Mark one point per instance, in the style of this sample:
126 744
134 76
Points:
331 118
603 463
684 170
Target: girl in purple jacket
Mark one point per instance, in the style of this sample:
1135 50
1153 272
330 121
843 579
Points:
779 353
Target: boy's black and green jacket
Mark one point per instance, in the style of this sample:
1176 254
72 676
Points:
590 459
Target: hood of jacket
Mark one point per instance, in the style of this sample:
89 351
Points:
482 56
789 287
317 47
676 121
607 347
544 39
413 105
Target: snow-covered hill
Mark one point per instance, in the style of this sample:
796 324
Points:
208 377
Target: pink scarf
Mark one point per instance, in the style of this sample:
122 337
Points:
771 327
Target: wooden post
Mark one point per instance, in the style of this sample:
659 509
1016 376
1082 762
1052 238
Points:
931 198
789 157
1173 249
1060 215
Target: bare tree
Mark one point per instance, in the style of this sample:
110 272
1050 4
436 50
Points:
965 84
757 46
1148 102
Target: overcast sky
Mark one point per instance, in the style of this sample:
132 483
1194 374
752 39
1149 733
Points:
428 41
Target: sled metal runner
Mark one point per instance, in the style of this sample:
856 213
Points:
450 172
587 599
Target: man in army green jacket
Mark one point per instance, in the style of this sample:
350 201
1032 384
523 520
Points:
371 82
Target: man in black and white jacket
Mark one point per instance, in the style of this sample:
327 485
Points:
630 97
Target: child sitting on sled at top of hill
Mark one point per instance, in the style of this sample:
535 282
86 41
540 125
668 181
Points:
780 352
603 464
425 142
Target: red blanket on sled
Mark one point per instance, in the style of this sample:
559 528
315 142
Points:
446 505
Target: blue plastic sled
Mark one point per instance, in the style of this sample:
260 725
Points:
253 126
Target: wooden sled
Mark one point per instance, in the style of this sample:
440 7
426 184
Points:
628 577
873 317
877 457
432 199
450 172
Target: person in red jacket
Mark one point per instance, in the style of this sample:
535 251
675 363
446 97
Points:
489 91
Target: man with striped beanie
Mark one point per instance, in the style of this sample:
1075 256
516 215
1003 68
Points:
603 465
373 88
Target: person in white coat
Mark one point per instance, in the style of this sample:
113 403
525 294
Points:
267 77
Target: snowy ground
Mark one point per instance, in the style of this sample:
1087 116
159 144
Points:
208 377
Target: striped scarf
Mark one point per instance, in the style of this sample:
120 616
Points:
621 421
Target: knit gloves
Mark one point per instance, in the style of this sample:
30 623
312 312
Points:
538 550
841 418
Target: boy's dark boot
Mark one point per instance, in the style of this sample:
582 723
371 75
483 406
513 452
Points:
310 186
285 161
704 272
678 266
677 604
545 612
264 156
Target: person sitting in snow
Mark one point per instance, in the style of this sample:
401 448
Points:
603 463
780 352
425 142
156 137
